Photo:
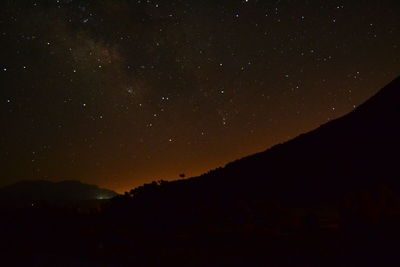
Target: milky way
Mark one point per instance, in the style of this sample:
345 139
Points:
121 92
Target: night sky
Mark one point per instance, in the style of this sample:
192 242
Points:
119 92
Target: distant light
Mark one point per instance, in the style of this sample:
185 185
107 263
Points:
102 197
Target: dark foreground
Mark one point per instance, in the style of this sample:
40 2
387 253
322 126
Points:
364 231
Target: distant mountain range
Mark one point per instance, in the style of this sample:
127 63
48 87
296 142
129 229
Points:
53 191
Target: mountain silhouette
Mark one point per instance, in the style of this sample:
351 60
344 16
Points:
53 191
330 194
356 151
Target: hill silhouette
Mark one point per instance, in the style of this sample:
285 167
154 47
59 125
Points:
330 195
53 191
355 151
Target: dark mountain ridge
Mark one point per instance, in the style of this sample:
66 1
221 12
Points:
353 152
358 149
41 190
329 195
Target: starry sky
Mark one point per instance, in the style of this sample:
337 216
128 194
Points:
119 92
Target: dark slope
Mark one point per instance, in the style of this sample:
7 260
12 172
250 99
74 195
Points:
356 150
350 153
53 191
330 197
